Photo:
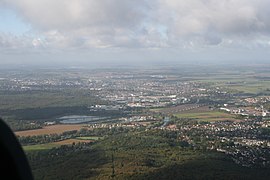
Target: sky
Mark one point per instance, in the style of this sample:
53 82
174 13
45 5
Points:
80 32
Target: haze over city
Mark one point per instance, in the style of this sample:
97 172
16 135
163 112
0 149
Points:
127 32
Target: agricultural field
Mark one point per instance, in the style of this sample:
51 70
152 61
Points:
209 116
72 141
53 129
39 147
47 146
180 108
197 112
95 138
245 82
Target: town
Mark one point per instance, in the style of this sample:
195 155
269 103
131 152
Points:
224 114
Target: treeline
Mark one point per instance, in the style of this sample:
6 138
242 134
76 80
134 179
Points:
48 138
61 151
21 125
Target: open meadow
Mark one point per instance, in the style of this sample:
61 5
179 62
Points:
210 116
53 129
47 146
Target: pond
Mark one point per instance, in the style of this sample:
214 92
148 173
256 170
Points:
76 119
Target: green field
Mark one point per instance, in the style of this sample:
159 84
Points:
207 116
48 146
39 147
90 138
246 82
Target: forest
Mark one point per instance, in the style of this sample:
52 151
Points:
136 154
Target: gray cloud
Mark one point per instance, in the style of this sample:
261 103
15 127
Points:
153 24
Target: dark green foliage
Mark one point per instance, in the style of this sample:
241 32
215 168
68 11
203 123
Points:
20 125
45 113
137 154
67 163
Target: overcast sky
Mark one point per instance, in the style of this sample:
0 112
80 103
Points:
133 31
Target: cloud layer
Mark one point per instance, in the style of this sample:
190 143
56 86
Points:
191 24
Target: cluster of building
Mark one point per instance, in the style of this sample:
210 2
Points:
247 110
244 140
